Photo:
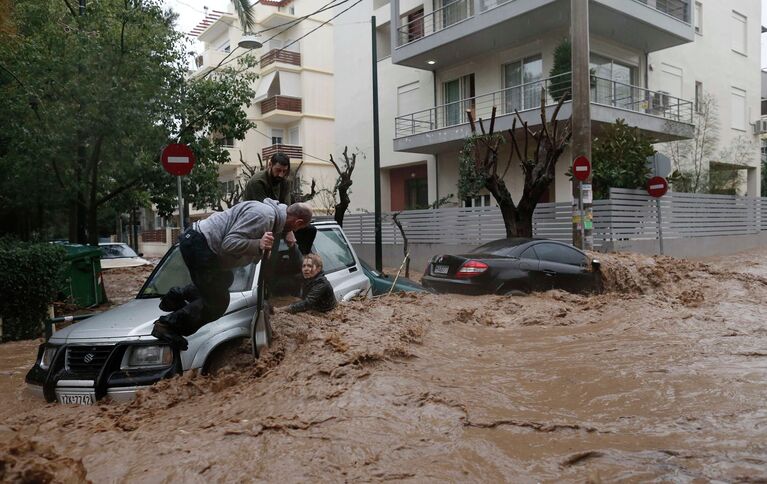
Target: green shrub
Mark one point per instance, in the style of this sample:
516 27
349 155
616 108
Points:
30 277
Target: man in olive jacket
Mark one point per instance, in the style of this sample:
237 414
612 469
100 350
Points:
271 182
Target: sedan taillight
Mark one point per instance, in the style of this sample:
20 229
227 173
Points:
471 268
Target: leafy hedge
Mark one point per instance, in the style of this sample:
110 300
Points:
30 276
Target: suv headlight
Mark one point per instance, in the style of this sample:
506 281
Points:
148 356
47 358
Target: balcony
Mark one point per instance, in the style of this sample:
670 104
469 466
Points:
281 109
657 114
292 151
279 55
208 60
464 29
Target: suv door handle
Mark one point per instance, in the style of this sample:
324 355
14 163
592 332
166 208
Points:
549 272
353 269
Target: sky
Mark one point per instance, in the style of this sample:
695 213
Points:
192 11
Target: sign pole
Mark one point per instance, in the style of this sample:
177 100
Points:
180 205
660 225
583 216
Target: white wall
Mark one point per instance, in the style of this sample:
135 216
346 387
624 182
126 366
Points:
710 59
354 102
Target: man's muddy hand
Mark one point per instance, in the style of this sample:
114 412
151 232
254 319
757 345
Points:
267 241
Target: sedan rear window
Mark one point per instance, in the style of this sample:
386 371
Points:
499 247
116 251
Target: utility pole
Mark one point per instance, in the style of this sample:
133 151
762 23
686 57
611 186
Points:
581 120
376 151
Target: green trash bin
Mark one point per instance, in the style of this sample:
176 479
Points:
84 283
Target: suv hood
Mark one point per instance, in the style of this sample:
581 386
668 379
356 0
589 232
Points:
130 320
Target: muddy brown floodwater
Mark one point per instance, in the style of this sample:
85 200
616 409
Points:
662 378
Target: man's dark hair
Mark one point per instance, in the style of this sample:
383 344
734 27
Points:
280 158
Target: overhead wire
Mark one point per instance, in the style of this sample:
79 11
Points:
325 22
331 4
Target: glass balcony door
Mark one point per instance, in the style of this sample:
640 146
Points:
521 81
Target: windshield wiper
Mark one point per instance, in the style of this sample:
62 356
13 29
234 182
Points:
149 296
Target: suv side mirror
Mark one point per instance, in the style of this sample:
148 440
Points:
596 265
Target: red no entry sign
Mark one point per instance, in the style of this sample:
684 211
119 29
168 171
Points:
177 159
581 168
657 186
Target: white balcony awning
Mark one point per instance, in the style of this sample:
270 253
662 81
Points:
264 86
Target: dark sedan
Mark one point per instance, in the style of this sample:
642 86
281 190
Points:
514 266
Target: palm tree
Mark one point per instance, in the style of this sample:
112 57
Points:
246 13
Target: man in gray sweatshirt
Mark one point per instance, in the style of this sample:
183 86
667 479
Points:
211 248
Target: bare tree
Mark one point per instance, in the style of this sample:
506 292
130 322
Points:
296 190
537 151
405 250
691 157
343 184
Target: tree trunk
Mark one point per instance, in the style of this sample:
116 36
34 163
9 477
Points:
343 204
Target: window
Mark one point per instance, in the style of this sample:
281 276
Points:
173 272
739 32
698 97
529 254
764 151
383 41
226 142
614 80
698 18
458 95
407 98
277 135
738 109
560 254
416 193
226 187
478 201
521 80
293 136
412 26
225 47
335 253
671 78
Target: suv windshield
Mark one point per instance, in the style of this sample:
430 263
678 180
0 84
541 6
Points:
173 272
116 251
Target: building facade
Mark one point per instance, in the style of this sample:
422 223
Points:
445 57
294 105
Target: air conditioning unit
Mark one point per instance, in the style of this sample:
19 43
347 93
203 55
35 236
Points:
760 126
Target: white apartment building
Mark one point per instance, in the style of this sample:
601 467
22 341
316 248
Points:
447 56
294 105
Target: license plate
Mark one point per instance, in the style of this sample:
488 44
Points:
77 398
441 269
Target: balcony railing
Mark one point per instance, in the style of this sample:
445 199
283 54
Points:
679 9
292 151
638 99
283 103
279 55
441 18
525 97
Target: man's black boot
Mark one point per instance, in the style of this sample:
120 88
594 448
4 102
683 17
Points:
164 332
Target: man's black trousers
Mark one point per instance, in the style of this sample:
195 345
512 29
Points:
208 295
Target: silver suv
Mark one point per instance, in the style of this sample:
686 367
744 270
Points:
113 354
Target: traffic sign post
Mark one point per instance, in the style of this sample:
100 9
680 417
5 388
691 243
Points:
657 186
582 172
178 159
